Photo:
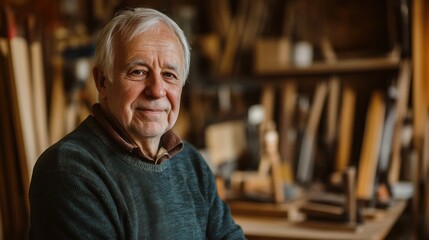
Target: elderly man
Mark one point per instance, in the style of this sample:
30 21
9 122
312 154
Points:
123 173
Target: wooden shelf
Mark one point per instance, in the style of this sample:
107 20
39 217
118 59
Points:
387 63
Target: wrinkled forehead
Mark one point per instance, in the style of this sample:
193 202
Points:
158 33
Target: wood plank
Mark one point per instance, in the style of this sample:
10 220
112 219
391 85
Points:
387 140
403 89
267 101
351 207
270 154
332 111
345 138
38 84
20 88
256 19
57 121
371 142
426 52
233 39
425 180
305 164
14 208
287 130
337 67
419 65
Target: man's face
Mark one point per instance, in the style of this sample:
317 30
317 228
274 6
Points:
144 97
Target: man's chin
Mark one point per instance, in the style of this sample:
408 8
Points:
150 130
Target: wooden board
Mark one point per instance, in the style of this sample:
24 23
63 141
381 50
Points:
305 164
267 101
332 111
57 114
403 88
38 88
425 178
21 99
338 67
345 138
231 145
259 209
13 180
287 130
420 86
371 143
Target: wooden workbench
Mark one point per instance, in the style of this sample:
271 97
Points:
273 227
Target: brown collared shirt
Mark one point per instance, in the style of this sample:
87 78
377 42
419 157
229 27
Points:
170 142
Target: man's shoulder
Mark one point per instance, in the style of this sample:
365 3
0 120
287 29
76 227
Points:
80 138
190 156
189 151
75 148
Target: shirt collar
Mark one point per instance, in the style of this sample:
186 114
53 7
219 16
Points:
170 143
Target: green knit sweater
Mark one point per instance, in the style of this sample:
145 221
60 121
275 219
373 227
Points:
86 187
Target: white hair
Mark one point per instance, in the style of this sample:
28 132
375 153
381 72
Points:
129 23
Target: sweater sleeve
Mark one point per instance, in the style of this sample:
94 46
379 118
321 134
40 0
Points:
220 222
69 206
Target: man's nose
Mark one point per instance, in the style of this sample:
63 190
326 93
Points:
155 87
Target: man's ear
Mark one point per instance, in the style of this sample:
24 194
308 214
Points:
100 81
99 78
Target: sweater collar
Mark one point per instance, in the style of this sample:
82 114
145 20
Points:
170 143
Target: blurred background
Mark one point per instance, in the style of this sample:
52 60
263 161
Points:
284 98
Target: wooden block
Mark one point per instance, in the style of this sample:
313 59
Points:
231 146
272 54
351 207
259 209
322 209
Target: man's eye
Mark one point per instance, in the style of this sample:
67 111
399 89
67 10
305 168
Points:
169 75
137 72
